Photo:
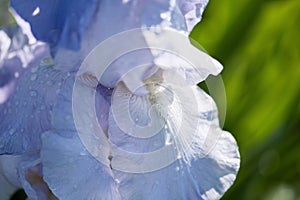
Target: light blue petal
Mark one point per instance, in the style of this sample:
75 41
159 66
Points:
17 56
72 173
6 189
187 70
26 114
59 23
31 178
24 171
205 178
17 49
62 116
192 11
130 125
127 15
202 163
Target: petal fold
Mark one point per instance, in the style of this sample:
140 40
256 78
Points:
72 173
205 177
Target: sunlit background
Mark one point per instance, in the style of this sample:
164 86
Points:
258 44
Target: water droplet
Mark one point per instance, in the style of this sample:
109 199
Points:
33 77
17 74
24 103
67 117
168 139
12 131
34 69
177 168
49 83
33 93
117 181
129 130
47 62
82 153
22 130
17 103
136 119
43 107
179 156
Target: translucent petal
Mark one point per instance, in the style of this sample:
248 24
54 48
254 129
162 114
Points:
133 126
187 73
205 178
72 173
26 114
144 123
204 159
127 15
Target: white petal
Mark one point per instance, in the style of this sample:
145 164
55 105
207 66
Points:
129 15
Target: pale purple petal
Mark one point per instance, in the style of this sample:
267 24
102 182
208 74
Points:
6 189
27 112
205 178
24 171
192 11
72 173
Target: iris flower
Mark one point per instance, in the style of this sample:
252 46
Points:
160 136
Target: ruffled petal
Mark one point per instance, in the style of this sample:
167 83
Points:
26 114
59 23
129 53
169 112
72 173
181 62
205 178
188 149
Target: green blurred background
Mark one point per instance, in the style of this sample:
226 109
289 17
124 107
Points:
258 42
